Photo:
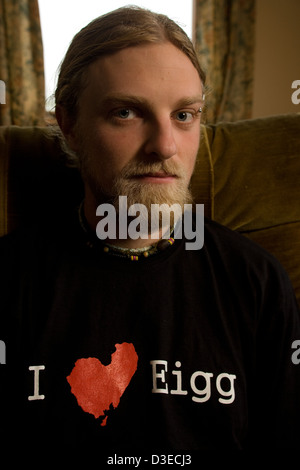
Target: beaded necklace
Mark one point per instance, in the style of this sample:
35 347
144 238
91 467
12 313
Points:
134 254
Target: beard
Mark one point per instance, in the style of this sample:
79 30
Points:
128 183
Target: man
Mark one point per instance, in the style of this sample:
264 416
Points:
140 343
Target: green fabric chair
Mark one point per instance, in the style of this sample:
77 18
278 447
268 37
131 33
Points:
247 174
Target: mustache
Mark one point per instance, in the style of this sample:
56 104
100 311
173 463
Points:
136 169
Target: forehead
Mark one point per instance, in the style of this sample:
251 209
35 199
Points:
149 70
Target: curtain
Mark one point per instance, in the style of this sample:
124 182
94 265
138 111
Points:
21 63
225 41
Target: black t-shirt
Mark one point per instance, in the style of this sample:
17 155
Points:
184 350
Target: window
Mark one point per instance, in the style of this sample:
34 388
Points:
62 19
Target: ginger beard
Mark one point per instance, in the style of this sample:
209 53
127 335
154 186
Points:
129 183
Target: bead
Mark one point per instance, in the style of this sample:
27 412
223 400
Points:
106 249
134 258
146 254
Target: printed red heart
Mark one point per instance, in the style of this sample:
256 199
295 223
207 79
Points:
97 387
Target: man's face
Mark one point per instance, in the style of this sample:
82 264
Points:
138 127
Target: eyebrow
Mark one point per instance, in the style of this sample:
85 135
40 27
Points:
119 99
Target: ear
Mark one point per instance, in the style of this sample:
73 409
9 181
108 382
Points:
67 126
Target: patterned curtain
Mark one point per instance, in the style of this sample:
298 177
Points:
225 37
21 64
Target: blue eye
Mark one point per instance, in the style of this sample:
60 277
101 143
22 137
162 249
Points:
125 113
184 116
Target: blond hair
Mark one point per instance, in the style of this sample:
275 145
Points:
119 29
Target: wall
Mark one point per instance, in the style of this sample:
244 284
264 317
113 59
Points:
277 57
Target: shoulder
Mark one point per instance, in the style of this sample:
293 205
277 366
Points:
9 244
236 255
46 231
250 268
233 243
33 241
239 254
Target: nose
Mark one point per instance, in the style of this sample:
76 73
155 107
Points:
160 141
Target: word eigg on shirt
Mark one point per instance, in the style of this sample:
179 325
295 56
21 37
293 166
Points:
135 222
200 395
